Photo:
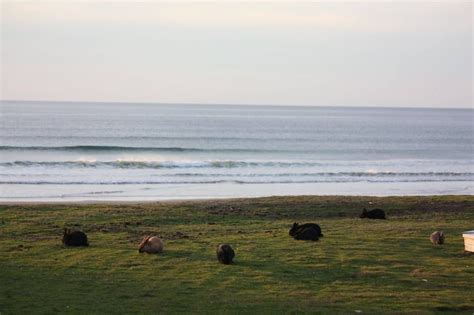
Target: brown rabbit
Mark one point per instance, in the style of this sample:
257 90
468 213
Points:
437 238
151 244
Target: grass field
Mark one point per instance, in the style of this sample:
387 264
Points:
368 266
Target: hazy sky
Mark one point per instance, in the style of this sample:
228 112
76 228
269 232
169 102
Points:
353 53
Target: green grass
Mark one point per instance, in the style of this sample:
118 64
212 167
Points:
369 265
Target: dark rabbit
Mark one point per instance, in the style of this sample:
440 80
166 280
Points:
225 254
74 238
297 228
373 214
307 234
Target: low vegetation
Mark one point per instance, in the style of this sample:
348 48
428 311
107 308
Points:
360 265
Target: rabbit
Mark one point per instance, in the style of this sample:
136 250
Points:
437 238
151 244
225 254
74 238
297 229
373 214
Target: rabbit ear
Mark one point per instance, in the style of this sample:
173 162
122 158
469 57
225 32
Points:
144 241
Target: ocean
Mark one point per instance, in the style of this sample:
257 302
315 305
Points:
73 151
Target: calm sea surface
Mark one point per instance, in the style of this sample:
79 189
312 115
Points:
97 151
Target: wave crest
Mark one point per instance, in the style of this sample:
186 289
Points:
105 148
157 165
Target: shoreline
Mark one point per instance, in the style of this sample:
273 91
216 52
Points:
158 193
219 199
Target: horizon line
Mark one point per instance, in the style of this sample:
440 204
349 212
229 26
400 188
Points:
232 104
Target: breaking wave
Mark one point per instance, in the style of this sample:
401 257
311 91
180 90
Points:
225 181
158 165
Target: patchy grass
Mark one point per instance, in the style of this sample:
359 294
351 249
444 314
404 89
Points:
368 265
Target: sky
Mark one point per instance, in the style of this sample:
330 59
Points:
334 53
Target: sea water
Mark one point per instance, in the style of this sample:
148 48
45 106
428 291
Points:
122 151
